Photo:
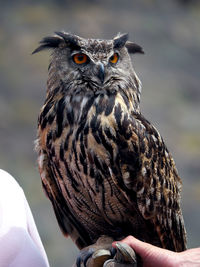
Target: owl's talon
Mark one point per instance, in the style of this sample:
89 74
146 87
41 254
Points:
125 254
124 257
100 256
101 253
96 254
113 251
114 263
109 263
83 257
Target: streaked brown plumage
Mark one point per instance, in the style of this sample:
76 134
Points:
104 167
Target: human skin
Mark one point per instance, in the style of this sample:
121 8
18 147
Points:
154 256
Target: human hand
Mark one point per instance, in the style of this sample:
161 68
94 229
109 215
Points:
153 256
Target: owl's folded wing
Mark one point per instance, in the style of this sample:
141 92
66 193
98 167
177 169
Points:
149 171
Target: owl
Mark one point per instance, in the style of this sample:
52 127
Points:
103 165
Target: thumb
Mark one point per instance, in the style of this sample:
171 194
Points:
141 248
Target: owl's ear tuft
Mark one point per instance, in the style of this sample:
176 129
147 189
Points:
48 43
51 42
71 40
134 48
120 40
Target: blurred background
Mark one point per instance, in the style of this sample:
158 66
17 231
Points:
169 32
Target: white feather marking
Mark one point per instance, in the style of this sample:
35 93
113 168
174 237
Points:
140 191
154 138
43 175
40 160
148 201
144 171
126 175
111 173
67 100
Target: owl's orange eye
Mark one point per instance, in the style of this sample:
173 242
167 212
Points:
114 58
80 58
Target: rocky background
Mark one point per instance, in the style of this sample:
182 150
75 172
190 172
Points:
169 32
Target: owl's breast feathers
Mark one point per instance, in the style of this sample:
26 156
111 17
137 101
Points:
107 170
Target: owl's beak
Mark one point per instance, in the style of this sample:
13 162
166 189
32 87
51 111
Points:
101 72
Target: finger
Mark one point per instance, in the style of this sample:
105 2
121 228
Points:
142 248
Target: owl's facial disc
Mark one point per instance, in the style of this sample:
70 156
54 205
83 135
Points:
100 63
96 70
93 71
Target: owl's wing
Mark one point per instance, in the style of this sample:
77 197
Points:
66 220
148 169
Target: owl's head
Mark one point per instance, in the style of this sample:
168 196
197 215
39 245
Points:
99 63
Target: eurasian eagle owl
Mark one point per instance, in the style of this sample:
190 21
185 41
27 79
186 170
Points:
104 166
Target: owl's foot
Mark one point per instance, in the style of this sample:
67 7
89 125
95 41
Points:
102 254
125 257
96 254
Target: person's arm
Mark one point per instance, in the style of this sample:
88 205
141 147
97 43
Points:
154 256
20 243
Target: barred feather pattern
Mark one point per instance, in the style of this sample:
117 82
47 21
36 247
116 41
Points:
104 167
